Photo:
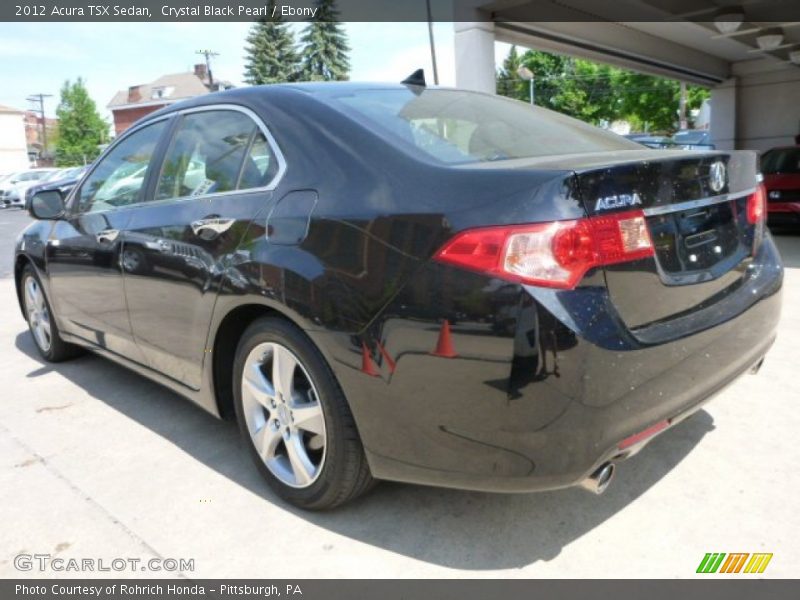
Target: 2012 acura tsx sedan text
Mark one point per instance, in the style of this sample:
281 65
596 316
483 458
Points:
408 283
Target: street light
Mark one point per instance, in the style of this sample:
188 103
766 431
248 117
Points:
526 74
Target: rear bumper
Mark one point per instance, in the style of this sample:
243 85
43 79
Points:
529 392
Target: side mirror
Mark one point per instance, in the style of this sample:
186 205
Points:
47 205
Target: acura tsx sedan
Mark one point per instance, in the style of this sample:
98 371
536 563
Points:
408 283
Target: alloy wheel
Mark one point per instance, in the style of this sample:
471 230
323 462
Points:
38 315
283 414
131 261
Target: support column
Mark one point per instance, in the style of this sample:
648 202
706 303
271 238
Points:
474 46
723 114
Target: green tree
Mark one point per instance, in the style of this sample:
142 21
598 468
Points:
325 46
270 54
597 93
651 103
81 129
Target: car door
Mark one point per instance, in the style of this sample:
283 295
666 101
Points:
83 252
217 175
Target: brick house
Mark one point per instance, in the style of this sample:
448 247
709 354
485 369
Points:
128 106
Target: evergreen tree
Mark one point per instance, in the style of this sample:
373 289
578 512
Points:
81 129
325 47
271 56
509 83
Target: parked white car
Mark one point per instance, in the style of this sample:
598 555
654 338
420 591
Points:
12 190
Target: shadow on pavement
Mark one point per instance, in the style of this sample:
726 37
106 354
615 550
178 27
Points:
463 530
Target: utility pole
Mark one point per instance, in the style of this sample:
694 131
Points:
209 54
39 99
433 46
682 107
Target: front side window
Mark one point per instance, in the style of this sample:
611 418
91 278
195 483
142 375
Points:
119 178
212 152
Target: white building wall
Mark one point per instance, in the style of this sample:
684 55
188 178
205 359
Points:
474 48
13 146
768 108
723 115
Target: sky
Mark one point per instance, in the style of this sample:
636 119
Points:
37 57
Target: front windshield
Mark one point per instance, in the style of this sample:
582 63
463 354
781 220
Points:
455 126
786 160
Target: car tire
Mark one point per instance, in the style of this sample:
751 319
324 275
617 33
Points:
42 325
327 466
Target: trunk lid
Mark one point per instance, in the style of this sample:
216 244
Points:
695 205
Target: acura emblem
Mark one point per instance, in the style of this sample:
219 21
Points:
716 176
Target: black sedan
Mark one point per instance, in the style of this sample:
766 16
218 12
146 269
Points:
415 284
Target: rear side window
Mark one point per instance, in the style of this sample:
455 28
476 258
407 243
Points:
215 151
455 126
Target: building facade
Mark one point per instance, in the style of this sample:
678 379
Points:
13 147
128 106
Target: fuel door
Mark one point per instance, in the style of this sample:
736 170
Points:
288 222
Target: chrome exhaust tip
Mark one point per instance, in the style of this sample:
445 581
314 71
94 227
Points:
598 481
756 367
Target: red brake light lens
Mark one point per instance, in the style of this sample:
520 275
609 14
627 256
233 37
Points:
556 254
757 215
757 205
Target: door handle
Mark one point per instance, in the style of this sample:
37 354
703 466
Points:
107 236
211 226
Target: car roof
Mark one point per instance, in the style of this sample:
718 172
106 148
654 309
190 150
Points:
256 93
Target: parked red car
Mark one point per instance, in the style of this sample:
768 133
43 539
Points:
781 169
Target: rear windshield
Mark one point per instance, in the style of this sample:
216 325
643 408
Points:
785 160
454 126
689 137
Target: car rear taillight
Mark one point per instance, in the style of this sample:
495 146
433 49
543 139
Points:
757 205
757 214
556 254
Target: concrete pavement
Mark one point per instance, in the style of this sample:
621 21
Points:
12 221
97 462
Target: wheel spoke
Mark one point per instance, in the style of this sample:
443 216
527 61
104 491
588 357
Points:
308 417
40 299
302 467
30 294
257 385
40 336
266 441
283 367
45 326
